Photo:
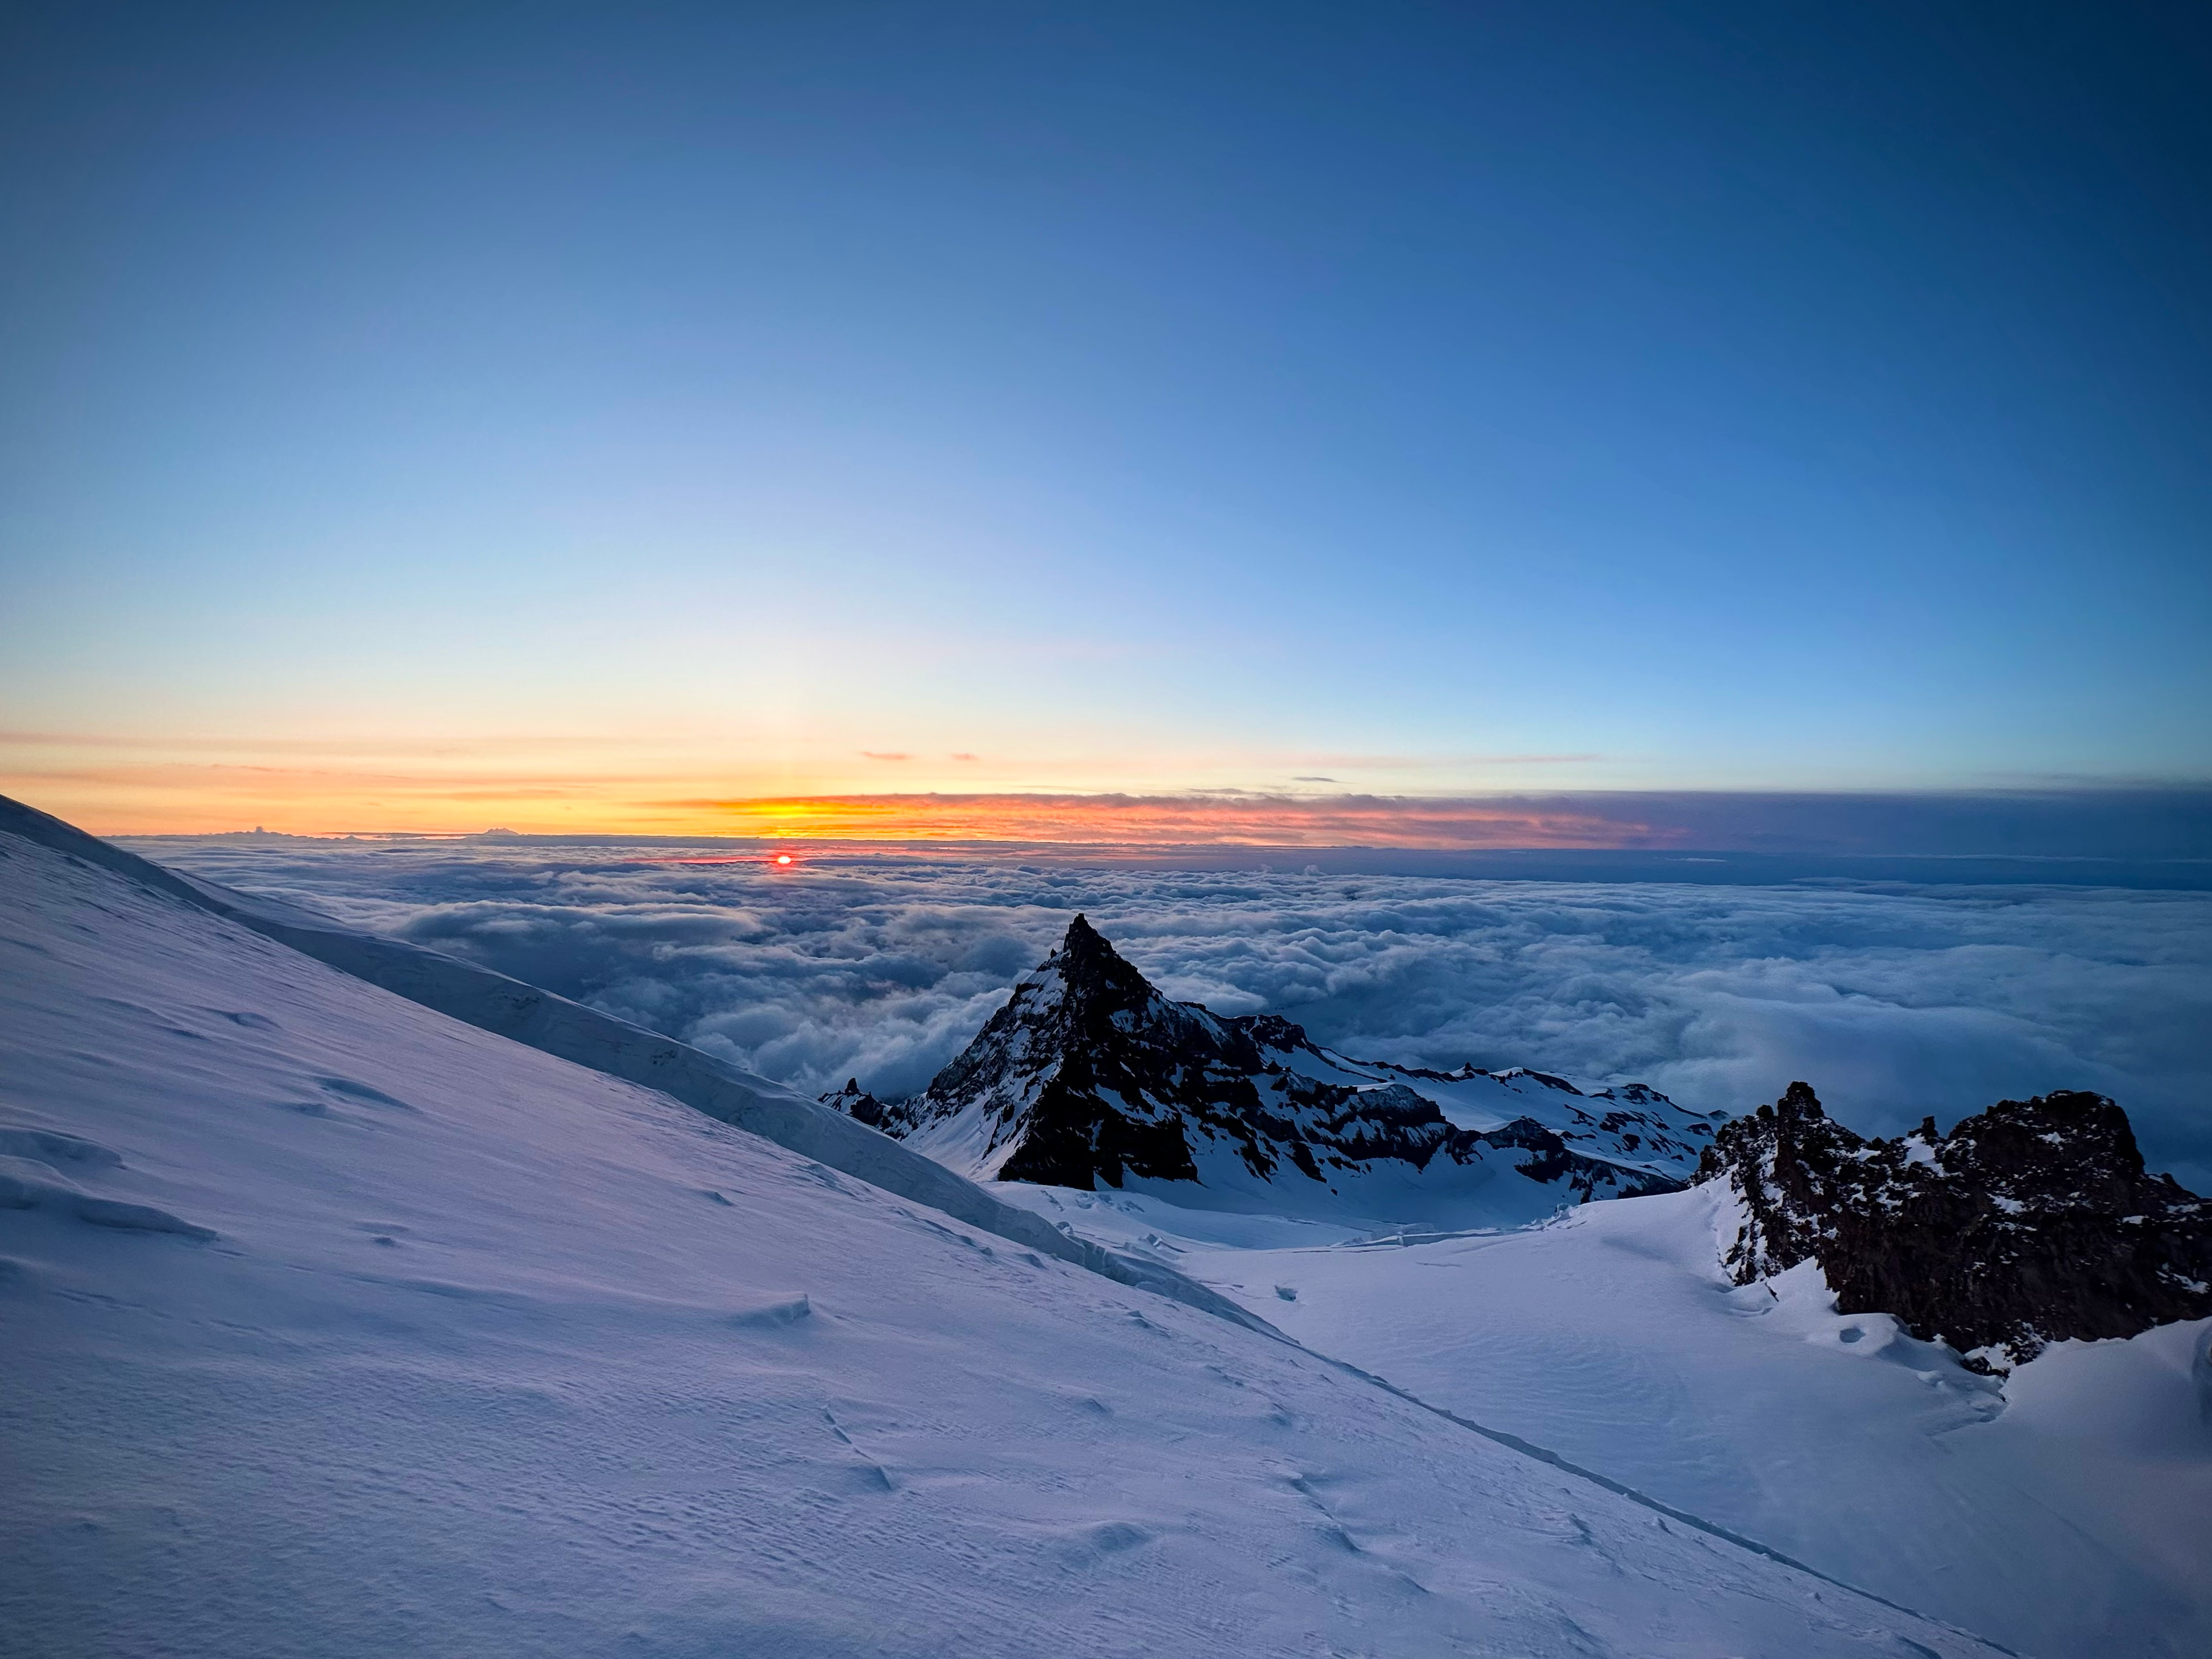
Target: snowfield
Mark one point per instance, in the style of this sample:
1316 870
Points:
2067 1512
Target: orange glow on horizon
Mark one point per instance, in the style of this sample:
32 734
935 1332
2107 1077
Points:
159 785
1013 820
172 797
1217 820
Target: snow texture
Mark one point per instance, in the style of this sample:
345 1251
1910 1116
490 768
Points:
2065 1511
492 1354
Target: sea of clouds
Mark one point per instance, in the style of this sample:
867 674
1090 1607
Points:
1894 1001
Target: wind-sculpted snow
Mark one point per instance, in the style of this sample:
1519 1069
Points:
1901 1001
491 1353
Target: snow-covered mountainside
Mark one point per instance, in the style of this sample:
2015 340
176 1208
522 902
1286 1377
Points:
335 1325
1090 1076
2064 1511
2029 1222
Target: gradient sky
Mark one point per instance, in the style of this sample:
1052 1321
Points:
565 416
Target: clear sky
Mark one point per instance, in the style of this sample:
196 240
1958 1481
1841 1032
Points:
574 417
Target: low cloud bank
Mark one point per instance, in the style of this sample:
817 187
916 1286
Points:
1894 1001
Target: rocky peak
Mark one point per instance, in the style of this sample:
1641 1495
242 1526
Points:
1085 954
2015 1148
1088 1076
1033 1088
1087 992
2030 1222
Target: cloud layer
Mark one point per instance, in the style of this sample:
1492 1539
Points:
1892 1000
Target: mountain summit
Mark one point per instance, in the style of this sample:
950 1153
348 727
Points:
1089 1077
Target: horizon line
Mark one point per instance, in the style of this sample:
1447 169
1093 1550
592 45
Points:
2140 820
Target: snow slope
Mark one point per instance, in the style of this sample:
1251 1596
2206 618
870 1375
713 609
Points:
336 1326
510 1008
2067 1512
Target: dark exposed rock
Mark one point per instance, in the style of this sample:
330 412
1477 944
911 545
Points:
857 1103
1090 1076
2029 1222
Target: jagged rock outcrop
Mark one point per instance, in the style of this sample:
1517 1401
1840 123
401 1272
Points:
857 1103
2030 1222
1088 1076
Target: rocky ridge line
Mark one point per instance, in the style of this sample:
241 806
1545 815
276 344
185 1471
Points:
1088 1076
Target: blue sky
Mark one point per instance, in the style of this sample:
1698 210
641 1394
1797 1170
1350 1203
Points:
607 406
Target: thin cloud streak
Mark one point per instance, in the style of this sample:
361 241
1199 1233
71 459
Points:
1249 820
